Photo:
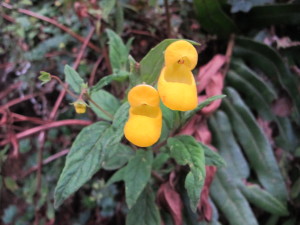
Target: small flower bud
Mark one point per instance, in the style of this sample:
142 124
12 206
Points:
44 77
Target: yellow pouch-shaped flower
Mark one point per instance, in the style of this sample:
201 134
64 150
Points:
181 52
177 88
144 125
143 94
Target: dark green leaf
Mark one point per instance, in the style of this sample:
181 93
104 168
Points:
73 79
187 151
212 158
152 63
118 52
213 19
118 76
106 101
187 115
275 14
230 200
295 190
225 142
159 160
84 159
263 200
253 97
117 156
259 96
121 117
255 145
135 174
262 85
145 211
269 61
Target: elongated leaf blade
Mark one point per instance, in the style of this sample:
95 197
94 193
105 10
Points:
138 172
213 18
187 151
106 101
144 211
118 52
263 200
255 145
225 142
73 79
83 160
212 158
230 200
269 61
118 76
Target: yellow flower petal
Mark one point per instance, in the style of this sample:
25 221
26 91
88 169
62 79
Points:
177 88
181 53
143 94
80 107
143 127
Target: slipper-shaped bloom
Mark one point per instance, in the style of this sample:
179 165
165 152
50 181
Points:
181 52
144 124
177 88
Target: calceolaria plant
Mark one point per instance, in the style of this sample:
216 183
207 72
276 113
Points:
150 120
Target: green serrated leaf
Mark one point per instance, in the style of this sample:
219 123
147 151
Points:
230 200
225 142
84 159
73 79
213 18
187 151
138 172
117 156
187 115
255 145
118 51
212 158
152 63
144 211
135 174
106 101
263 200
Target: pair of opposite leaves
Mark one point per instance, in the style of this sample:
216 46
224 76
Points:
176 88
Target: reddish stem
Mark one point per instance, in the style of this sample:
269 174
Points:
47 126
46 161
53 22
76 64
18 100
93 74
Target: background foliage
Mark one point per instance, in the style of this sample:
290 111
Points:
252 45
